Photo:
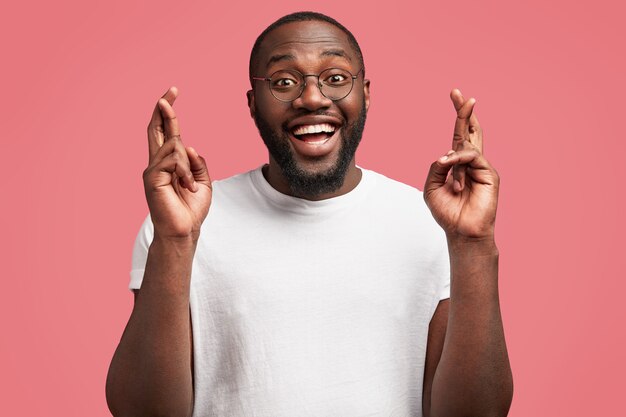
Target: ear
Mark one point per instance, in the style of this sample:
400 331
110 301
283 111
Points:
251 104
366 93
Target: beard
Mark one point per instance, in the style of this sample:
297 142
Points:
301 182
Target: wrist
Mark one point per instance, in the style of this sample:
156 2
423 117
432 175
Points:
180 243
472 246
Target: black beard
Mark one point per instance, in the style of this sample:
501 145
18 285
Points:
302 183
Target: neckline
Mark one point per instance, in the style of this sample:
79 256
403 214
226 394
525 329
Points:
306 207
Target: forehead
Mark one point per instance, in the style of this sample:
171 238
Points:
304 40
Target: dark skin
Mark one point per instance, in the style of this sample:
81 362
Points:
467 372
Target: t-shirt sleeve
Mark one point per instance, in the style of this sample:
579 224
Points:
445 285
443 268
140 253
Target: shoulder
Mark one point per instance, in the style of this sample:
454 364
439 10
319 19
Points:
392 190
235 196
233 183
235 189
402 201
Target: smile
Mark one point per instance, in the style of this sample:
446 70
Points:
314 134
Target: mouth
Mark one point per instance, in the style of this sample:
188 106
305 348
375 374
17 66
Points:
314 134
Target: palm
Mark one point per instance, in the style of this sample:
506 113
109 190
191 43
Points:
470 212
183 210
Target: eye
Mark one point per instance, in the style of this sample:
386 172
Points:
285 80
335 78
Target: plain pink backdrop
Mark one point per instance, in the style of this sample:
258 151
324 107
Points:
80 79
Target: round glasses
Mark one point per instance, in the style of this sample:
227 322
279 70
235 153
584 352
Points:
288 85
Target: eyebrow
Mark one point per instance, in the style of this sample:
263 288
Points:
336 52
279 58
290 57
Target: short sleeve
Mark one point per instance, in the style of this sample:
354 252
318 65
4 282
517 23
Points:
445 289
140 253
443 269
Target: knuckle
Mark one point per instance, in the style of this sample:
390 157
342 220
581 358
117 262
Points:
153 127
466 145
475 129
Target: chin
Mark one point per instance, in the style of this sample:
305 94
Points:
314 176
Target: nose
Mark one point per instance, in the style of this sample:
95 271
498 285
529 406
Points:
311 98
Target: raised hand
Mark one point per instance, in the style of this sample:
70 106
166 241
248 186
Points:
463 202
176 181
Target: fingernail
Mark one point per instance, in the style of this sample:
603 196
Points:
443 158
457 185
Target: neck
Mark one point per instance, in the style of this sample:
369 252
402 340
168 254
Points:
274 176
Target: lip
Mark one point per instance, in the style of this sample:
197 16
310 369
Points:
314 120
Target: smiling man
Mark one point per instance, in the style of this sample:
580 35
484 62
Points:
311 286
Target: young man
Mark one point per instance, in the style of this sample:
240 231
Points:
313 287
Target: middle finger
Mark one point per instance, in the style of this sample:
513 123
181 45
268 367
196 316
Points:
170 121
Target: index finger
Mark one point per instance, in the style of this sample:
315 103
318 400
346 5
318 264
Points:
155 127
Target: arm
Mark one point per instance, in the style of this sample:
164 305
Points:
151 370
151 373
472 375
434 347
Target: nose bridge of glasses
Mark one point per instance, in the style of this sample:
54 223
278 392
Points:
317 77
317 84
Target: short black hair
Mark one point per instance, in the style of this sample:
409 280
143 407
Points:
303 17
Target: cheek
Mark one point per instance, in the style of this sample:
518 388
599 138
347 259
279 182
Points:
352 108
270 109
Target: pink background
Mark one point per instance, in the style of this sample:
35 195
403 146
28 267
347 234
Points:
80 79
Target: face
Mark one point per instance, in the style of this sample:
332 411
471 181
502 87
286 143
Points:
311 140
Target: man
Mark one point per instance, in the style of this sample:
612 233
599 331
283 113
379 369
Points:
313 287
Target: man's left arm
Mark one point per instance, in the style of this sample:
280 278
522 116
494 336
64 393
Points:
467 368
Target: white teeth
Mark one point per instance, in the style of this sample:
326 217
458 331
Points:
308 129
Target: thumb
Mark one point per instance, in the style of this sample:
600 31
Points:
437 174
198 167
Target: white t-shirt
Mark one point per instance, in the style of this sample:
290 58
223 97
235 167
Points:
312 308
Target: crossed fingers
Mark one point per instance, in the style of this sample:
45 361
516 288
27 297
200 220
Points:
467 135
166 150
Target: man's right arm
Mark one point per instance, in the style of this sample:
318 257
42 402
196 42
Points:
151 370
